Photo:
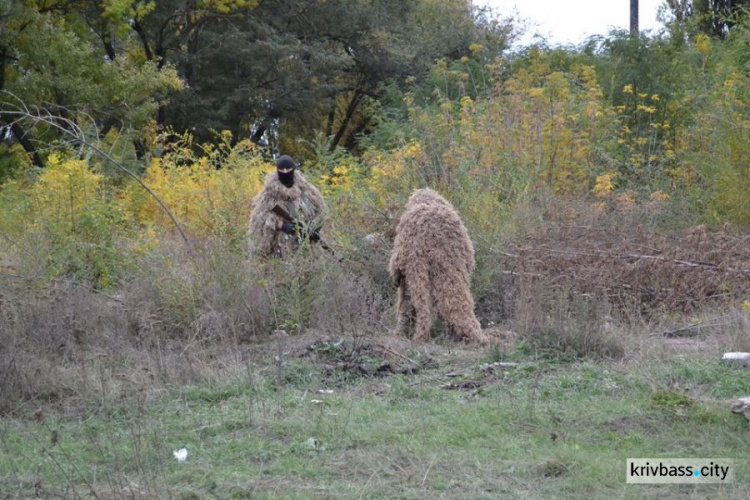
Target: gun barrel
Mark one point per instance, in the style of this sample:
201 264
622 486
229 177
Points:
282 213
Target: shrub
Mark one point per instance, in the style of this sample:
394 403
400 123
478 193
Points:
68 212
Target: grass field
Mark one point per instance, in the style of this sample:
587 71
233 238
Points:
327 419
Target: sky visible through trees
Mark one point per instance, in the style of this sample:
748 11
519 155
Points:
573 21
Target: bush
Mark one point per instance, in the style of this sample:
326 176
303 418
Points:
65 223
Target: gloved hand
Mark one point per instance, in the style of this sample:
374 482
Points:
288 227
315 236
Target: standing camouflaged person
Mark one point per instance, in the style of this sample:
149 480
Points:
431 265
287 212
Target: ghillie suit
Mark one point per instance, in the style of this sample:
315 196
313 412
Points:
431 263
269 234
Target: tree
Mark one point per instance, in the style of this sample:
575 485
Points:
50 58
712 17
280 73
293 69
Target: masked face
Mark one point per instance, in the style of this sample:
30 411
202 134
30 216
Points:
285 170
286 176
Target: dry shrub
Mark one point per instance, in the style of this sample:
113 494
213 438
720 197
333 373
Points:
212 296
180 317
60 317
566 275
557 323
348 303
68 344
640 270
45 335
495 284
221 296
737 328
335 294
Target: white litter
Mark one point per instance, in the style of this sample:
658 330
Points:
181 454
737 358
735 355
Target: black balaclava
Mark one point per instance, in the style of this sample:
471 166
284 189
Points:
286 162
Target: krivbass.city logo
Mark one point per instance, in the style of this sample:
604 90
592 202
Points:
679 470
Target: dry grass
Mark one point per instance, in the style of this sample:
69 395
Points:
570 283
64 341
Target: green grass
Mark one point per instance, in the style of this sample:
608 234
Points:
542 431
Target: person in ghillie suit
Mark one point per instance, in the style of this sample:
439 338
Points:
431 264
273 235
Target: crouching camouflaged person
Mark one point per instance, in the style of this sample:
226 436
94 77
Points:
287 212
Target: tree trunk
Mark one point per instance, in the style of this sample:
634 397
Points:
20 135
331 118
109 48
352 139
144 40
347 118
634 18
15 128
140 149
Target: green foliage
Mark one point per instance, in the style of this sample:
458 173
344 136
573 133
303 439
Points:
633 120
715 18
50 63
270 71
717 146
12 160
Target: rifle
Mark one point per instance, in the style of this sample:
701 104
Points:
288 218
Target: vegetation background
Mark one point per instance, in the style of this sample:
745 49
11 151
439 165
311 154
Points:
605 187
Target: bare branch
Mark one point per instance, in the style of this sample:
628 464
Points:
637 257
688 331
